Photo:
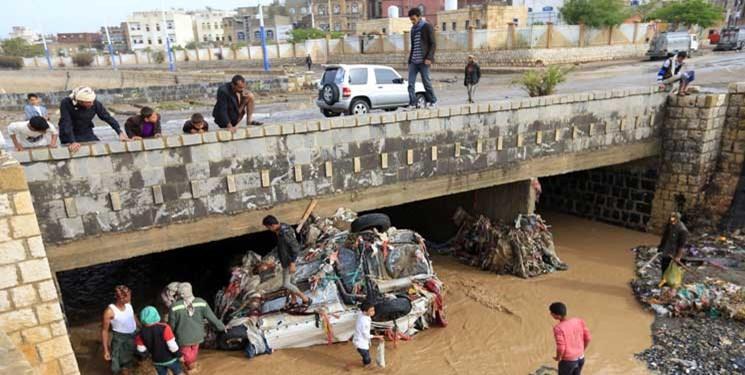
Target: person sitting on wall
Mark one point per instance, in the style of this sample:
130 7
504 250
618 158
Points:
144 125
196 124
32 133
234 102
672 71
76 118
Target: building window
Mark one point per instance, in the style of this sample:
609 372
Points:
478 24
337 27
337 9
150 41
468 23
384 31
303 10
204 38
147 27
230 38
169 25
444 26
241 35
216 26
454 24
355 8
321 10
157 27
270 34
160 41
257 34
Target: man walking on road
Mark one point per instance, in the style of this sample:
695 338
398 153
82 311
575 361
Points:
472 77
572 339
421 57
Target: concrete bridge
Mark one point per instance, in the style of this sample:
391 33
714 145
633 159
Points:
115 201
119 200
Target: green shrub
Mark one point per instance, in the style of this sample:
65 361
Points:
159 57
301 35
82 59
541 82
11 62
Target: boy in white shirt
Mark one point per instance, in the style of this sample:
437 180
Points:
362 336
32 134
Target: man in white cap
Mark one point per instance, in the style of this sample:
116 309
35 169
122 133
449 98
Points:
76 118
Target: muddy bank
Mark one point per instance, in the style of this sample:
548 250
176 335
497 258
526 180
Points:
498 324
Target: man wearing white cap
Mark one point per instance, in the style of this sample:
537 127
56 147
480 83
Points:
76 118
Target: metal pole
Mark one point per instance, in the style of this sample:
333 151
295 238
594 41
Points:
111 48
262 31
46 50
169 52
312 15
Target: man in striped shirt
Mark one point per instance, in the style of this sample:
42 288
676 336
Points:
421 57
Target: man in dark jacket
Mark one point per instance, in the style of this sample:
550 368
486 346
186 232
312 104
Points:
233 103
472 77
673 242
421 57
287 251
76 118
144 125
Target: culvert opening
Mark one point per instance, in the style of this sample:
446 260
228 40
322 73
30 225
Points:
619 194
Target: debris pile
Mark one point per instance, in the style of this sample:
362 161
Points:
344 261
524 249
699 325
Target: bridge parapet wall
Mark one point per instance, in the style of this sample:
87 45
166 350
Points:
117 200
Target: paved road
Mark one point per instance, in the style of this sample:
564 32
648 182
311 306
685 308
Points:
713 71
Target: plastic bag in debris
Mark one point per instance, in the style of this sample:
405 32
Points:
673 276
380 354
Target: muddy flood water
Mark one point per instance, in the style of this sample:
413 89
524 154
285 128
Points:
497 324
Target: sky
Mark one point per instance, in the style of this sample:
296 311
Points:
55 16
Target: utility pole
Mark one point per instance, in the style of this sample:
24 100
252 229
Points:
46 50
169 52
331 17
312 15
111 48
262 31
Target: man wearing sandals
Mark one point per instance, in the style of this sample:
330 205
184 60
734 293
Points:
672 71
287 251
234 102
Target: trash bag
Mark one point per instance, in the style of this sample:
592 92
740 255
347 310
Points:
234 339
380 354
673 276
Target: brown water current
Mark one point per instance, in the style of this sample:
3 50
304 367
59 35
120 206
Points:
497 324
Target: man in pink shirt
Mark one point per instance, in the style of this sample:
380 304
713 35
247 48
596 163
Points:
572 338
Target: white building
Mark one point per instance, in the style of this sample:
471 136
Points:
146 29
542 11
26 34
208 25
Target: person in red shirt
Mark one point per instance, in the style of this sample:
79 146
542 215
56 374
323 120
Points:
157 339
572 338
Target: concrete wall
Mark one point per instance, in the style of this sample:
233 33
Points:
112 202
30 313
520 57
620 194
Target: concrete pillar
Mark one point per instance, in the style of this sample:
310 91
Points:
407 42
30 312
549 33
328 39
581 42
505 202
511 37
691 141
610 35
470 38
636 32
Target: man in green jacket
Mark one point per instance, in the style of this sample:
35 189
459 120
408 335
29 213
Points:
186 317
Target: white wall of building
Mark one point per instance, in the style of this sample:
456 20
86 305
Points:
208 25
146 29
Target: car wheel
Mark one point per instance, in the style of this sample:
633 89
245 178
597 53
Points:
381 222
330 93
329 113
359 107
421 100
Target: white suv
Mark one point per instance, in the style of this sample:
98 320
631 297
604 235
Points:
356 89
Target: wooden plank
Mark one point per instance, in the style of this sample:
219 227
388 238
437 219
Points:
306 215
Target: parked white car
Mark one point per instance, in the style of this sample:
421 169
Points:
357 89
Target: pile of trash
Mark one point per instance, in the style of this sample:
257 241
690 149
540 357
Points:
699 294
344 261
524 249
696 346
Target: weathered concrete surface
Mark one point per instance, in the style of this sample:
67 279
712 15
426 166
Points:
30 312
111 202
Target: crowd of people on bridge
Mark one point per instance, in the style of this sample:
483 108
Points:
77 112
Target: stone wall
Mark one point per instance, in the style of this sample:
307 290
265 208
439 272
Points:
691 143
154 94
30 313
620 194
520 57
160 187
